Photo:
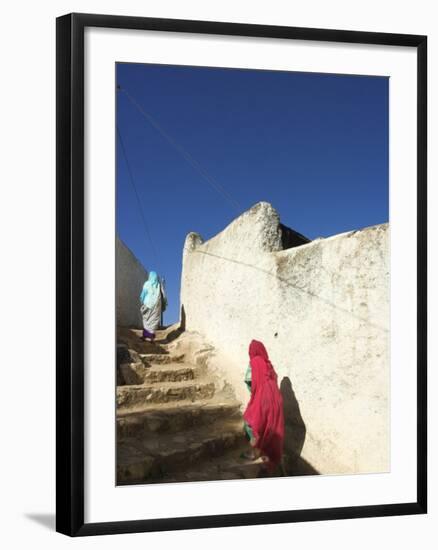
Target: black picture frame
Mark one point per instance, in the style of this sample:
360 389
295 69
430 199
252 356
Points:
70 273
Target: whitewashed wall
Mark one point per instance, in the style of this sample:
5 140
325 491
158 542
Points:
322 310
130 277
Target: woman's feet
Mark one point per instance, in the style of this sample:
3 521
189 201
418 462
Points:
148 335
253 453
266 468
249 455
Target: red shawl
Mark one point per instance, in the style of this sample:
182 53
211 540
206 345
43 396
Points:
264 412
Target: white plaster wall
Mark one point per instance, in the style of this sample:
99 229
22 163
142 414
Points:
322 310
130 277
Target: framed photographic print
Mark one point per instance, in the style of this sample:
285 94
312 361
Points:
241 274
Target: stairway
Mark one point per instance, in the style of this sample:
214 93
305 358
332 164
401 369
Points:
176 420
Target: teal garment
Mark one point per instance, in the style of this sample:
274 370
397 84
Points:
151 291
248 430
247 379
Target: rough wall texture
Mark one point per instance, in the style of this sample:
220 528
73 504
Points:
322 310
130 276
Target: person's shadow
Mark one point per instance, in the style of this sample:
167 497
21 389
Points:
295 434
176 332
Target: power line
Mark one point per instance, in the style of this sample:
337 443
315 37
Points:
185 154
131 179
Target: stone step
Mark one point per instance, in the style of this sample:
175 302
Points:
229 466
170 372
172 417
155 458
138 373
150 359
131 373
132 339
136 396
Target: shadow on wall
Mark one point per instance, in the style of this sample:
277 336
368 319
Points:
173 334
182 324
295 434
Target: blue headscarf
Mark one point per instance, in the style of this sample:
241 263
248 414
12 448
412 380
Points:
151 290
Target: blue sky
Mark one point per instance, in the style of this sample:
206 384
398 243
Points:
315 146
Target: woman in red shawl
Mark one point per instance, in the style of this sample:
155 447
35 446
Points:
264 413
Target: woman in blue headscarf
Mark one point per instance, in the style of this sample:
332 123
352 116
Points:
153 301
